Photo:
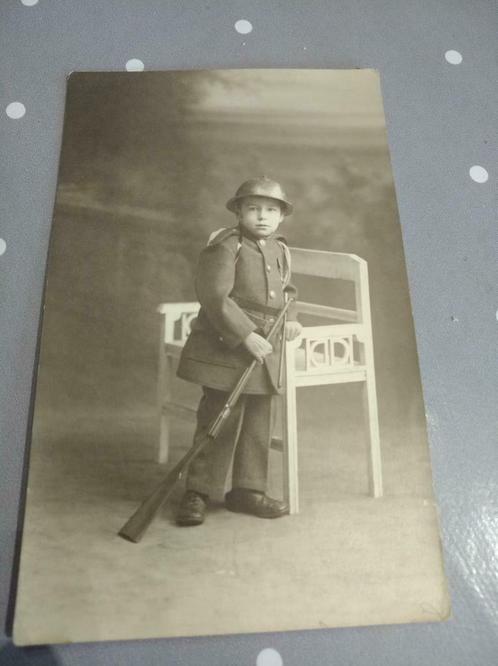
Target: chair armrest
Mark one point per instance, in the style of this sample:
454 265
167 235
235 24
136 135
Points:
173 313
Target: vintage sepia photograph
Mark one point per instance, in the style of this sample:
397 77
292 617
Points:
227 430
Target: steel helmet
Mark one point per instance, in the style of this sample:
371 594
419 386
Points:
261 187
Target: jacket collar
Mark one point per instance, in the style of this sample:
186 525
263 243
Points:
246 234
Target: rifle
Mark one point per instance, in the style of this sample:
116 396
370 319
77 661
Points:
135 526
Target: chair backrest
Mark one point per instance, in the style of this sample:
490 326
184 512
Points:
317 263
339 266
320 263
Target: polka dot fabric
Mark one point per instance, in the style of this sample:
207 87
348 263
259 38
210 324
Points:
15 110
269 657
134 65
45 40
243 26
453 57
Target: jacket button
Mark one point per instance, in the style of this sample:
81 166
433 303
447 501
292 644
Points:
262 242
268 268
221 339
271 294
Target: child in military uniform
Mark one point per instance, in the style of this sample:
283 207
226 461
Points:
242 281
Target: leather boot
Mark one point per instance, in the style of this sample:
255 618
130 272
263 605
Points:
192 509
244 500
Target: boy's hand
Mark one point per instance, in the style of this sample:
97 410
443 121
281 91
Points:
292 329
258 346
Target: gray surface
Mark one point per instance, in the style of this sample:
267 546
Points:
441 120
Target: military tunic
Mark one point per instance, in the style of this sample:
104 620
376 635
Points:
241 284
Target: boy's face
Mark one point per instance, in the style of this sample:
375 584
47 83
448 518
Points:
260 215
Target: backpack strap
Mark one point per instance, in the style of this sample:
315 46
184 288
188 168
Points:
225 232
286 272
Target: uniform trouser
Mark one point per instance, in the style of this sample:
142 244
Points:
246 435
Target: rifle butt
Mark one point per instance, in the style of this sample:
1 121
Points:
137 524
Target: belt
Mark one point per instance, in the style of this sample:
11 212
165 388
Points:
258 307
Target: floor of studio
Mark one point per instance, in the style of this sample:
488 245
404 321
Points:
346 559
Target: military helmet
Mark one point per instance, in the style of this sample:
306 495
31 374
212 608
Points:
261 187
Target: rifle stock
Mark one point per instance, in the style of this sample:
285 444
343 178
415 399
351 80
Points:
136 525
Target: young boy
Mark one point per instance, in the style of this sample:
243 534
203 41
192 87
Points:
242 281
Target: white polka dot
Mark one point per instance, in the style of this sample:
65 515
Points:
269 657
135 65
29 3
243 26
478 173
3 246
15 110
453 57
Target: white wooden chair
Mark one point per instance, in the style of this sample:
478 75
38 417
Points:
333 353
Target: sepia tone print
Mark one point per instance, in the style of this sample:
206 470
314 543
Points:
226 271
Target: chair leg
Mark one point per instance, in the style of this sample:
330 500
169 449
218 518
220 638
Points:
291 482
369 396
163 453
163 397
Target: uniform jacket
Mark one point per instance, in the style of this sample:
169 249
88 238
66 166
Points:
240 284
